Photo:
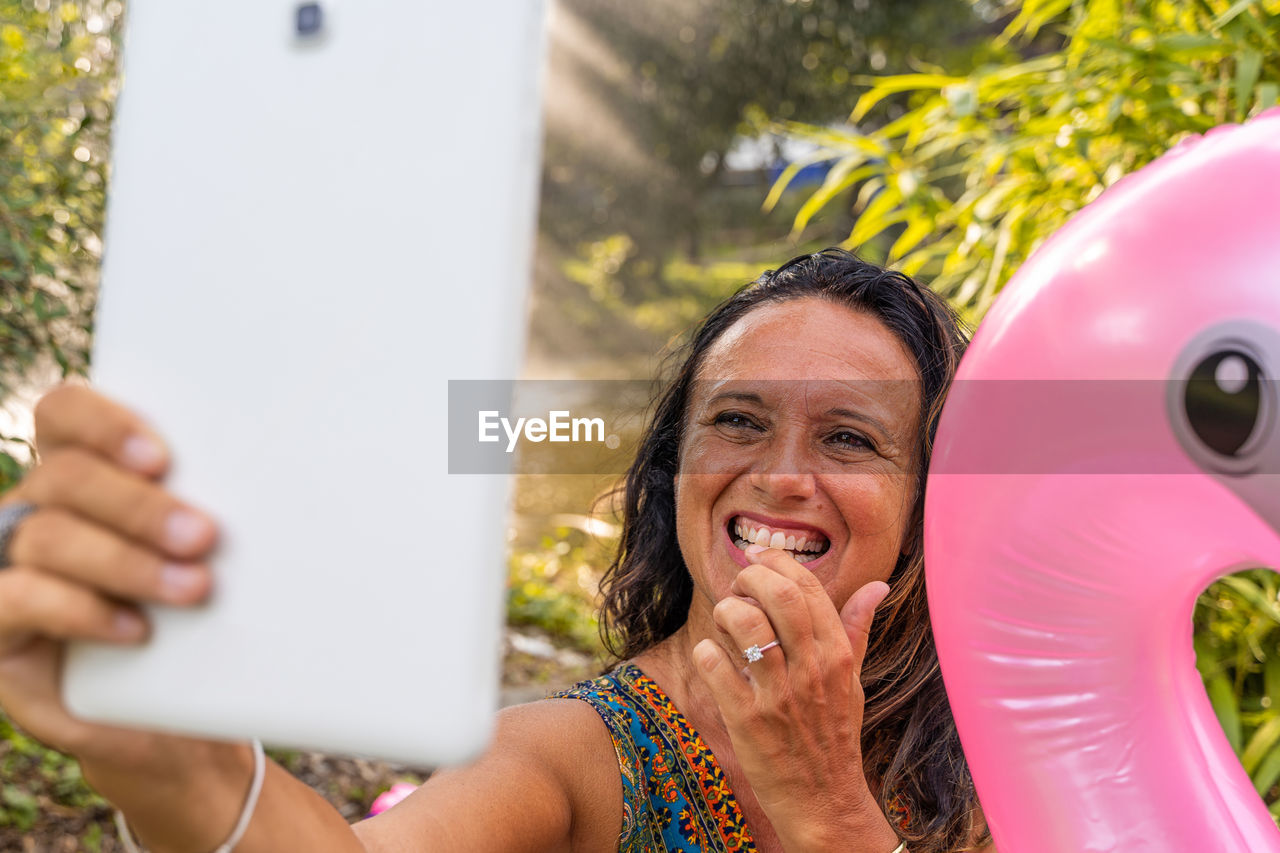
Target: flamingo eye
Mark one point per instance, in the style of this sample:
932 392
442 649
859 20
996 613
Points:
1223 400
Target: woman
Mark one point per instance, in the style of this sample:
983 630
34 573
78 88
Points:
775 501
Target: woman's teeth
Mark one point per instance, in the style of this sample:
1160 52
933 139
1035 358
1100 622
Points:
804 547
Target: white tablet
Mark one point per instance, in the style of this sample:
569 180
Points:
319 215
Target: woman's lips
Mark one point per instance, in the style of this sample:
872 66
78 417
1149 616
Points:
807 545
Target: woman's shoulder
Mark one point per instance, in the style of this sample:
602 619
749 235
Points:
561 725
568 736
547 781
615 698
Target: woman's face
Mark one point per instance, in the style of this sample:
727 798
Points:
801 433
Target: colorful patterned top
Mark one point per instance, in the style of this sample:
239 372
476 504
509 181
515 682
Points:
675 797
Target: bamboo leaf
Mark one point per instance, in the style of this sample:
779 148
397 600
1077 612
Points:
832 139
913 263
886 86
1271 679
878 215
1033 15
917 229
1259 30
1222 696
780 185
1015 74
1263 741
1268 94
909 123
1268 772
1238 8
1248 67
1252 593
1188 45
820 199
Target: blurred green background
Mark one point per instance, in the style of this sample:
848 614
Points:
688 146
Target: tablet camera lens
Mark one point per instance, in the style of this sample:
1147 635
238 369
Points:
309 19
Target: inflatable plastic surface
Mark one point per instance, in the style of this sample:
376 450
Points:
1112 446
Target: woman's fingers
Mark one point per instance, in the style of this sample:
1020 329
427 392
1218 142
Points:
818 642
785 609
119 500
56 541
72 416
723 678
857 615
35 603
744 625
824 620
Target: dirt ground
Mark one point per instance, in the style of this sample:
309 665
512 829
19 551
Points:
534 667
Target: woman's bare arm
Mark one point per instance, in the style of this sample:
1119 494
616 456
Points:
548 782
189 797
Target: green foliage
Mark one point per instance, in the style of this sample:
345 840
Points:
670 92
688 292
1237 642
35 777
985 165
11 469
642 110
555 586
57 85
57 79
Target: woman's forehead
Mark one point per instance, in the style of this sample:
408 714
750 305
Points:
814 396
808 339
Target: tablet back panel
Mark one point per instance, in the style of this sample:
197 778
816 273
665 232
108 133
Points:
307 236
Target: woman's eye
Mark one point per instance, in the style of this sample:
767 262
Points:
850 439
736 420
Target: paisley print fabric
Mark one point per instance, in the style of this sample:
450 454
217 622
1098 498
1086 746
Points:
675 798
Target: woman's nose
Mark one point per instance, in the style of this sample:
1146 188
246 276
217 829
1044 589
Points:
784 470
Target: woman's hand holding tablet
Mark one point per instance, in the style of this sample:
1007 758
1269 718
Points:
100 534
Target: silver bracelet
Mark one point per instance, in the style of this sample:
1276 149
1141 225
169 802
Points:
246 814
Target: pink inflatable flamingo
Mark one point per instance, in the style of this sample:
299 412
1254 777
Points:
1110 448
389 798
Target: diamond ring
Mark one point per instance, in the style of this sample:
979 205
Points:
754 653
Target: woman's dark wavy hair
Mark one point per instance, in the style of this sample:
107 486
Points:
909 740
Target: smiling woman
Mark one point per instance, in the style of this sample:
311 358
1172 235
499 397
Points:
773 509
801 419
806 433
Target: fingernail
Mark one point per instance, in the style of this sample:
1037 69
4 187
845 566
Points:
178 582
752 550
184 530
142 453
128 625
